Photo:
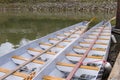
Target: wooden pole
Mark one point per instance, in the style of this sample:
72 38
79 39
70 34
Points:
115 73
118 15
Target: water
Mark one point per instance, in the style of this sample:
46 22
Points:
19 28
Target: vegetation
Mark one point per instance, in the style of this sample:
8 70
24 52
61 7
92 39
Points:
58 5
34 1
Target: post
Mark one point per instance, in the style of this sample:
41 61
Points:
118 15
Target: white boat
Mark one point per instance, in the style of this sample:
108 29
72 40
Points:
83 59
29 61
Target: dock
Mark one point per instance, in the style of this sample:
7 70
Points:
115 73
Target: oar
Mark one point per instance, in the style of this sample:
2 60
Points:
91 20
112 19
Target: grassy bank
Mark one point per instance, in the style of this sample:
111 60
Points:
31 1
58 5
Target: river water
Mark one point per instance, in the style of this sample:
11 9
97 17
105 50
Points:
19 28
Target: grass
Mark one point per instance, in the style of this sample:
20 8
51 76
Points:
34 1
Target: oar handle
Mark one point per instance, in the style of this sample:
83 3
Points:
109 20
112 19
92 19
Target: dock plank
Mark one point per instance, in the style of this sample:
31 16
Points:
115 73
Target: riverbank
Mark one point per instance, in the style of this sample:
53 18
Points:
78 5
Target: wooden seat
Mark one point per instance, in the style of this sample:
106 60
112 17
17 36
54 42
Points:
59 46
101 34
58 40
66 41
4 70
95 43
98 38
19 74
52 78
62 35
103 38
105 34
84 48
36 50
73 65
51 45
25 59
101 43
99 49
47 44
78 55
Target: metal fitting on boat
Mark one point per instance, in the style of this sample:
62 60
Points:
108 67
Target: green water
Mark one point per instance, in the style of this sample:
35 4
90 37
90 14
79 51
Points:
32 25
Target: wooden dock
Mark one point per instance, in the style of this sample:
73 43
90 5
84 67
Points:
115 73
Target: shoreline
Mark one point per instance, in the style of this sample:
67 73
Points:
60 6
